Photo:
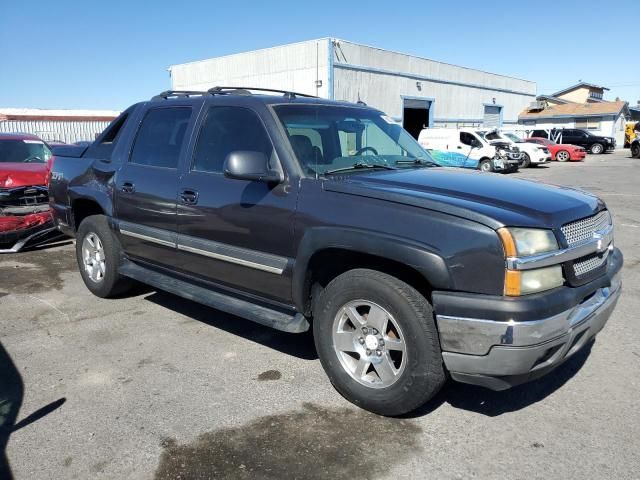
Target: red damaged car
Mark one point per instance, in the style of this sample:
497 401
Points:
562 152
25 217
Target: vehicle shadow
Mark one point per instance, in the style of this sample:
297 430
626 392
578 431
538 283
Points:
299 345
11 396
492 404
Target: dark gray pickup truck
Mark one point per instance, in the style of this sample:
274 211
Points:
301 213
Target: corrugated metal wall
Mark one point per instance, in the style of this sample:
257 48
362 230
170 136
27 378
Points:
381 78
290 67
65 131
378 77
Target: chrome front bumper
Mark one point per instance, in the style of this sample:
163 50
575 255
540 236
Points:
499 355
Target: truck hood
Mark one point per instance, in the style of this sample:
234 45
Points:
23 174
491 199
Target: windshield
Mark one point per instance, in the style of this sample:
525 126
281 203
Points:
23 151
329 138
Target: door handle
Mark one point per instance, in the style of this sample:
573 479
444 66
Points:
190 197
128 187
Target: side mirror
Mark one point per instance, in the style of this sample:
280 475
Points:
248 165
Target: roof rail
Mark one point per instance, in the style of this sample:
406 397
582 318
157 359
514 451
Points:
177 93
247 91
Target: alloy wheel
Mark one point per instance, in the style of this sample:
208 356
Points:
369 343
93 257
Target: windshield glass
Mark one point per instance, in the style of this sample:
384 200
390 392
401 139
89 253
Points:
23 151
328 138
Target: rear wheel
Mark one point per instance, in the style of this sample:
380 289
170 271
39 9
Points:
635 150
377 342
98 254
526 160
597 148
563 156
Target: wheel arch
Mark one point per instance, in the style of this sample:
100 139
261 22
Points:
83 206
326 252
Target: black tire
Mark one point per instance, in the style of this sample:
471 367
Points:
485 165
597 148
423 374
563 156
526 160
635 150
112 283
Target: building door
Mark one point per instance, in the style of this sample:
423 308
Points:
492 116
415 115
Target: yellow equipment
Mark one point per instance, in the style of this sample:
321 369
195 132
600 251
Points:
631 132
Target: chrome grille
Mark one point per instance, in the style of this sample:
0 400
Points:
587 264
582 230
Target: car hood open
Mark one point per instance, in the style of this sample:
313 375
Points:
491 199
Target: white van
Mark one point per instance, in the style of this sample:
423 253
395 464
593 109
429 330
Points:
532 154
464 147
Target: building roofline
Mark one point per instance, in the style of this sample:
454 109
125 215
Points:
580 84
338 40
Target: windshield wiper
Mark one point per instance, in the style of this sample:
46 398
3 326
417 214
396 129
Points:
417 161
359 166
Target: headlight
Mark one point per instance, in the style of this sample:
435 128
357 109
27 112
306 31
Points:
524 242
524 282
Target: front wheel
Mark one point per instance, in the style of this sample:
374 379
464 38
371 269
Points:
485 165
377 342
563 156
597 148
635 150
526 160
98 255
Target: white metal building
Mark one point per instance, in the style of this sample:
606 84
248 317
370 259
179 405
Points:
414 91
66 126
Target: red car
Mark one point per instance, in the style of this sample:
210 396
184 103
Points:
562 152
25 216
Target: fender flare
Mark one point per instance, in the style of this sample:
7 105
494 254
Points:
100 197
418 256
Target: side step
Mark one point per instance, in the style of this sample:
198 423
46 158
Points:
286 322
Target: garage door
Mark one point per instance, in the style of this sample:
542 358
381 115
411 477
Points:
492 116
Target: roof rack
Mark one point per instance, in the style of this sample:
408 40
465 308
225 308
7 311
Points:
177 93
226 91
247 91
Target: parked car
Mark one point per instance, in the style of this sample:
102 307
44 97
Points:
25 216
302 213
467 148
531 155
576 136
561 152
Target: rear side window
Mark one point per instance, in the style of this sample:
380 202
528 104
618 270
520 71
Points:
226 130
160 137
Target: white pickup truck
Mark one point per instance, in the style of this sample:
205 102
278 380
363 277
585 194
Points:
532 154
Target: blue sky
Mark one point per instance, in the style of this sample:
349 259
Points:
84 54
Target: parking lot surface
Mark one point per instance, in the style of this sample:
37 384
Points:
156 387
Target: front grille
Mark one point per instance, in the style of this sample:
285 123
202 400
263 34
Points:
582 230
23 196
589 263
